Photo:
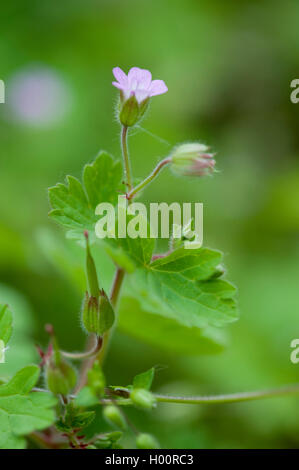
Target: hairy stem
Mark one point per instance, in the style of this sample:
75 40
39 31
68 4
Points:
217 399
125 152
98 341
114 296
149 179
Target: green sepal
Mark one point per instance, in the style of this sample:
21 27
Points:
129 112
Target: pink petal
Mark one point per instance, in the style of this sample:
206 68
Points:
120 75
134 74
157 88
145 79
118 85
141 95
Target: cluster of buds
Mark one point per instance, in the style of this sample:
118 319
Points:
192 159
136 89
97 312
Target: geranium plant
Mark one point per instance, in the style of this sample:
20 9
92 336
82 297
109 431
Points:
177 297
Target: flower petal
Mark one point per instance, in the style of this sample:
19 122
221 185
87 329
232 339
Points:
118 85
134 74
157 87
145 79
141 95
120 76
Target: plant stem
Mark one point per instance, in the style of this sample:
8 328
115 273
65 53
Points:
233 397
86 354
292 389
218 399
114 296
150 178
125 152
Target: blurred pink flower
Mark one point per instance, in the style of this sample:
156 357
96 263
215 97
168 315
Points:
138 82
38 96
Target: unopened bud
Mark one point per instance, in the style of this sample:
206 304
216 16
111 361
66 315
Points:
97 314
142 398
146 441
61 377
192 159
114 416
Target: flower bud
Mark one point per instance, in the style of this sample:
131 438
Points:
114 416
142 398
61 378
192 159
146 441
97 314
60 375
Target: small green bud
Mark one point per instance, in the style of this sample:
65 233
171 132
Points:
142 398
97 314
90 313
106 312
61 378
114 416
147 441
192 159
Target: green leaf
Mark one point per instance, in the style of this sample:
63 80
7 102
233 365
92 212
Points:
145 379
22 412
166 333
107 440
138 250
74 419
73 205
5 323
181 286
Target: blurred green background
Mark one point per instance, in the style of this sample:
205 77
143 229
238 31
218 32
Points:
228 66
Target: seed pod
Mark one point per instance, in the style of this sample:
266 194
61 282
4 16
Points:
142 398
97 314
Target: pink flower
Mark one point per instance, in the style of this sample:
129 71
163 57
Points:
138 82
